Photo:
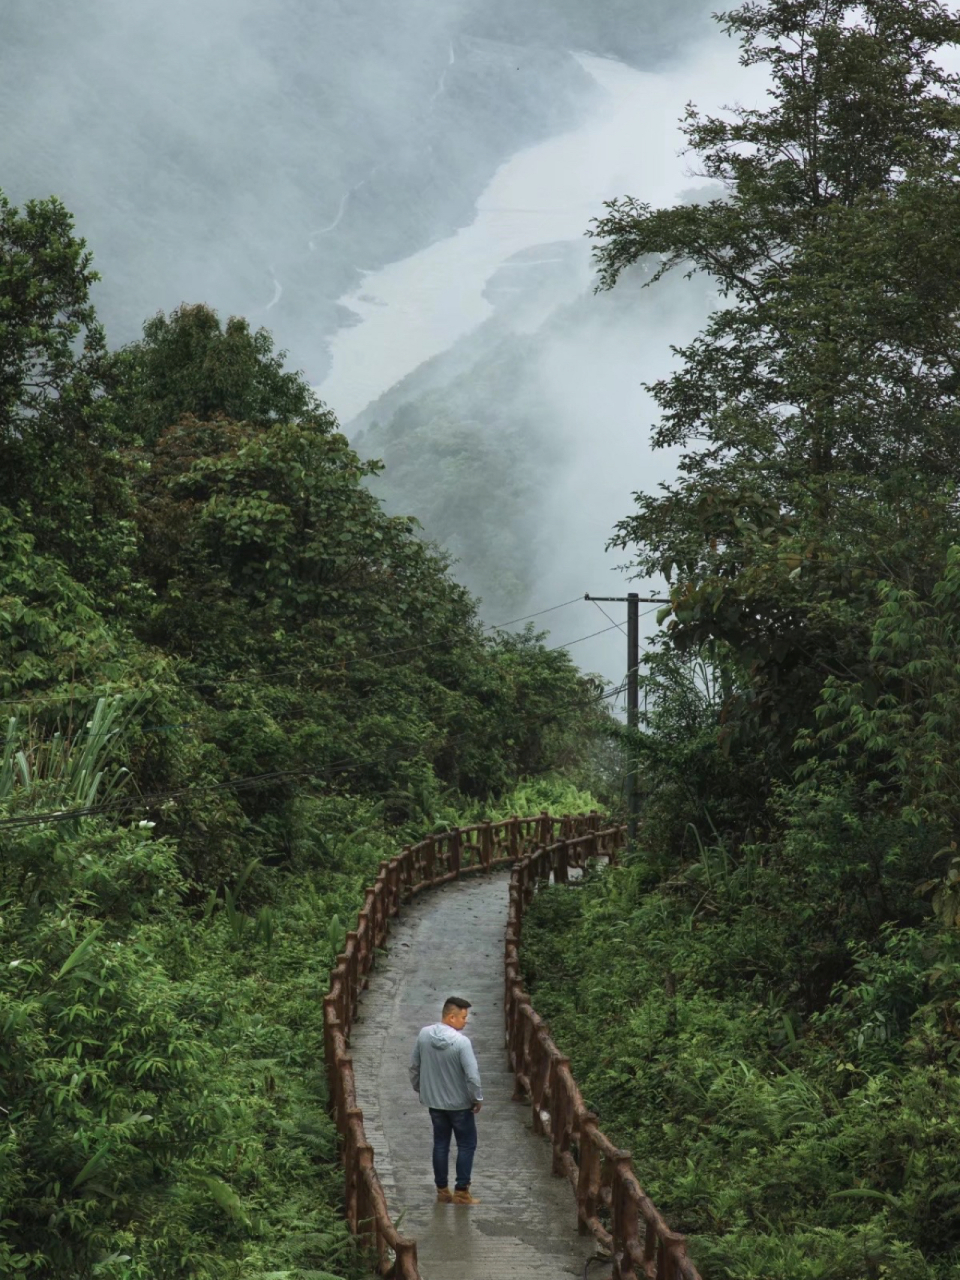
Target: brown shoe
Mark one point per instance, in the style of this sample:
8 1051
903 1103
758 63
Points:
462 1196
444 1195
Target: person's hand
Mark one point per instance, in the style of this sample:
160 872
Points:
476 1107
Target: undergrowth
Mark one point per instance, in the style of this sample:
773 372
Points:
788 1140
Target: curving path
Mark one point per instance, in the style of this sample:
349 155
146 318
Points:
450 942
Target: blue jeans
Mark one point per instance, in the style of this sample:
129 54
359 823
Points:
464 1125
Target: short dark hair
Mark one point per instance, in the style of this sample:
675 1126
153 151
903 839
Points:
454 1002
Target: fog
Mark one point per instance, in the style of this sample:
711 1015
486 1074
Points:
207 147
399 193
578 397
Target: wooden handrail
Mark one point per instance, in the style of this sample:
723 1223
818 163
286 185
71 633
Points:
611 1204
601 1175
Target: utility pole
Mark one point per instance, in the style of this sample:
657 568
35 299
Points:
633 602
633 708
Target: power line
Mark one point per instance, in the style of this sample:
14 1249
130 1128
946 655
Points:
145 801
580 639
615 627
224 682
496 626
616 690
605 614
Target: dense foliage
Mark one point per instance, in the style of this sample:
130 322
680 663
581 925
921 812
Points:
230 685
766 997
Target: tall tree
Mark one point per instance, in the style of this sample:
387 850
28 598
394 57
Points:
60 472
818 409
191 362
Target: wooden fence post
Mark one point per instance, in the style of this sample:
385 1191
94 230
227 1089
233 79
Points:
624 1220
559 1132
486 845
353 1170
561 870
514 837
406 867
588 1179
406 1267
429 858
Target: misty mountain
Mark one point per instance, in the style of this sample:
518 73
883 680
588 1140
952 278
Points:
487 443
255 157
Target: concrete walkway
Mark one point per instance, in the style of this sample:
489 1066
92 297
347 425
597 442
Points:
449 941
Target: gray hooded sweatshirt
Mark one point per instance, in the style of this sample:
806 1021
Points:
443 1069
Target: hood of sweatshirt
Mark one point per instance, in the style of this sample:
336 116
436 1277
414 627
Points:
442 1036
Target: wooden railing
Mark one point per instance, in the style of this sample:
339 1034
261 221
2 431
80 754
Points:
602 1177
611 1204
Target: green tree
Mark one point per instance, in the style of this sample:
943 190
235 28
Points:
330 629
193 363
276 528
818 408
60 472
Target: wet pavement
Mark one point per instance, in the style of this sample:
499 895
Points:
447 942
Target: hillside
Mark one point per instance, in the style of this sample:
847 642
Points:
232 684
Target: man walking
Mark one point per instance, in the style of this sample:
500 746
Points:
443 1070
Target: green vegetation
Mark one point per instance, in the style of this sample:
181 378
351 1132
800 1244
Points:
764 1001
230 685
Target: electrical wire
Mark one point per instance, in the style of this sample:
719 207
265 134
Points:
497 626
615 627
47 700
606 615
145 801
580 639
